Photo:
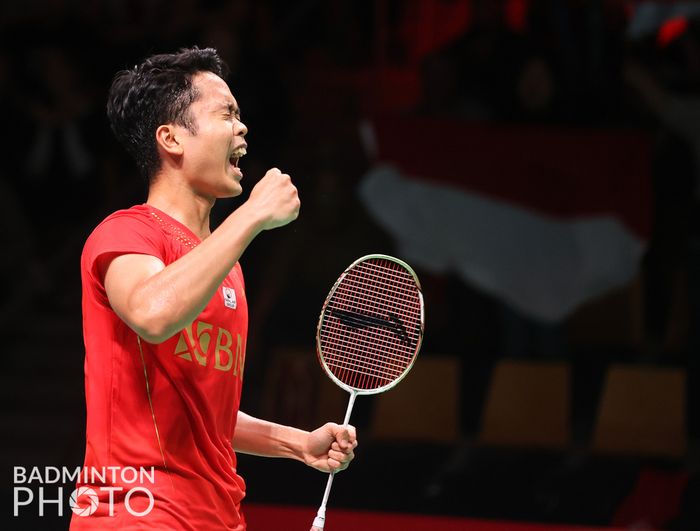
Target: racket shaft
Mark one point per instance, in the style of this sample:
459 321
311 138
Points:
321 514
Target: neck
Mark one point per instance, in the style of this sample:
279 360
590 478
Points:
182 204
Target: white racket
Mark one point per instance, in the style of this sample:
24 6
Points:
369 332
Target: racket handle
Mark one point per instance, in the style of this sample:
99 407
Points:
321 514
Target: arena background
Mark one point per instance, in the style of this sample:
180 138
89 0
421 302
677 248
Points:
534 160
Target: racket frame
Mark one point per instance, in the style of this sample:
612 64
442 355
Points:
350 389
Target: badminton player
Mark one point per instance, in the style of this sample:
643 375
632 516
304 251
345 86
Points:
165 315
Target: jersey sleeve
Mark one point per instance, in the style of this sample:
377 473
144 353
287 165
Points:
120 235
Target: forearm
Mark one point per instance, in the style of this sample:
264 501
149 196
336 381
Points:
329 448
166 302
260 437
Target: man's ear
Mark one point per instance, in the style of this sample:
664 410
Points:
168 138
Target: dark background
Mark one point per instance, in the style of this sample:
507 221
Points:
295 69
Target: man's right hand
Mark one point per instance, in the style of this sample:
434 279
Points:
275 199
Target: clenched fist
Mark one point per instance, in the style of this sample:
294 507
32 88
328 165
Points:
275 199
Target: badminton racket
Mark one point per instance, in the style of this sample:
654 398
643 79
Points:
369 332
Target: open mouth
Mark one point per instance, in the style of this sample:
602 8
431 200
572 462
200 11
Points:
236 156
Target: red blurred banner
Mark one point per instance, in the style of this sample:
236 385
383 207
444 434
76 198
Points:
275 517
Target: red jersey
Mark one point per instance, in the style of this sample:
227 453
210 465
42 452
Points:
168 410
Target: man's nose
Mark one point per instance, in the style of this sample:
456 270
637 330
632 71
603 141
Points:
240 129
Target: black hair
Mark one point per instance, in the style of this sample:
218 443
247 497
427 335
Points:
157 91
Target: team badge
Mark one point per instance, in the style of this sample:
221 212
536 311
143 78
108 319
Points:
229 297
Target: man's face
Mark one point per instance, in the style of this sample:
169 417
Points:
211 155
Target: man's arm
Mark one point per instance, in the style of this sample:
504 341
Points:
329 448
158 301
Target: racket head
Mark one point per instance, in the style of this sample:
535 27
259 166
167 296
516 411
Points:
371 326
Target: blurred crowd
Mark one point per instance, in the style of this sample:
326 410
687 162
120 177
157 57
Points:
305 74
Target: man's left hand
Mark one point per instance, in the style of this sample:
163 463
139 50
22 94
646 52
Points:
330 448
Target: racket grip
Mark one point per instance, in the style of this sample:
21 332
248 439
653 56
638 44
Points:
319 521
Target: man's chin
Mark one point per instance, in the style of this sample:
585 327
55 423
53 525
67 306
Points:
233 191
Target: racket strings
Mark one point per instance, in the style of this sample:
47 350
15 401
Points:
345 345
355 361
352 358
389 283
371 326
375 297
391 300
